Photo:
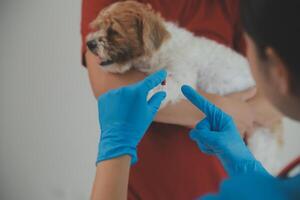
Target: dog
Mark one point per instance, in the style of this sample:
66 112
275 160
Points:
130 34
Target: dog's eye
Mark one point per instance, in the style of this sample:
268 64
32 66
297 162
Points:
112 32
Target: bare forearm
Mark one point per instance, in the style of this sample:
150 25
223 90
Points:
184 113
111 179
181 113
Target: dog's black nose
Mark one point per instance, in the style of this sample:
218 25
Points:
92 45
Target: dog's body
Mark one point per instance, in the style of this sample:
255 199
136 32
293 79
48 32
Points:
191 60
198 62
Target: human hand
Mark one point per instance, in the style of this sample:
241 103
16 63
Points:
236 105
217 134
125 115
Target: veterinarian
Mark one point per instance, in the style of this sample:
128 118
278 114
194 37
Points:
272 35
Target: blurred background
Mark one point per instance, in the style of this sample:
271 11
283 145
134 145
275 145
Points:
48 115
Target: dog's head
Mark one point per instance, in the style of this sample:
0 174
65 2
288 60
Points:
125 31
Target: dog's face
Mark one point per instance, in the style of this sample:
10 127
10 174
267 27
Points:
124 32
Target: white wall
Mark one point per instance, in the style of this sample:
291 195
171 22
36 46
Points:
48 126
48 116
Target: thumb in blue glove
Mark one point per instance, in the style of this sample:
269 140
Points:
217 134
125 115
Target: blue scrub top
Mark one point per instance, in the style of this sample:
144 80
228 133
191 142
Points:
257 186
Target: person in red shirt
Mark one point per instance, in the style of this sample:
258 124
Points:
162 171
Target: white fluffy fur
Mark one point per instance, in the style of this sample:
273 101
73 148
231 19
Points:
203 63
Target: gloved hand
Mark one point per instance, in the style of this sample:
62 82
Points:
258 187
125 115
217 134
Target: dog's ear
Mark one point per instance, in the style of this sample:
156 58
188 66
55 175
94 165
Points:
94 24
153 32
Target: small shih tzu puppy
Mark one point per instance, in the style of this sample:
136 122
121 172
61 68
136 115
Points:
130 35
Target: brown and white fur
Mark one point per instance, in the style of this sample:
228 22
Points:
131 35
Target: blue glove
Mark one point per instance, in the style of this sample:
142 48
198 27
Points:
258 187
125 115
217 134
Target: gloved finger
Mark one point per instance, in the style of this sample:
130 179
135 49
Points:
194 135
203 124
205 149
152 80
206 137
202 147
155 101
209 109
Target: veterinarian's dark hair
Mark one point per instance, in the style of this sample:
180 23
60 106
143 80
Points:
275 24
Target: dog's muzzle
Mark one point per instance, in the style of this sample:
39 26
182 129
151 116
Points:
106 63
93 45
